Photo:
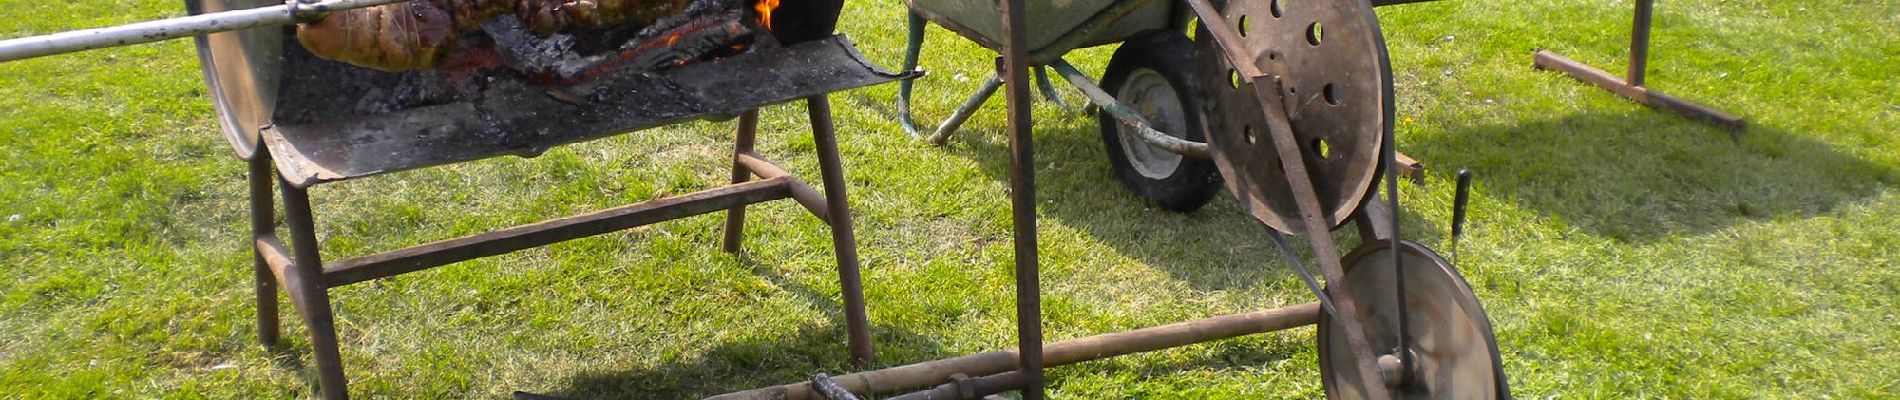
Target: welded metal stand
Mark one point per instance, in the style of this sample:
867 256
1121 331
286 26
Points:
1022 197
1633 88
296 269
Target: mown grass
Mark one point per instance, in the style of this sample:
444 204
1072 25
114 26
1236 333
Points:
1621 251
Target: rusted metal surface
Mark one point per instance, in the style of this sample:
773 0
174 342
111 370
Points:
1545 59
1268 94
1462 360
963 387
1411 168
276 258
1639 41
543 233
930 373
744 139
1372 219
319 137
1329 75
263 222
801 192
1014 65
843 239
306 278
1632 86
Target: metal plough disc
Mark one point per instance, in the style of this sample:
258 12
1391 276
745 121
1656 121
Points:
1330 57
1454 353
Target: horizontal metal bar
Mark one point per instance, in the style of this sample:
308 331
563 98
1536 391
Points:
803 193
929 373
278 258
1544 59
543 233
1128 117
962 387
1411 168
172 28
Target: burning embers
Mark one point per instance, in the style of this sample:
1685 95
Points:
547 41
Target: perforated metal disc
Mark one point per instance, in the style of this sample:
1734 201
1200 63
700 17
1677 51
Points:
1331 58
1454 353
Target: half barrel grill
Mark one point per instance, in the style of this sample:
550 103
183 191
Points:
302 120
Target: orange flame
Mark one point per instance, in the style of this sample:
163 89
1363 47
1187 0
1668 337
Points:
765 8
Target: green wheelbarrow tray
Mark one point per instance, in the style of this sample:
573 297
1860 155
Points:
1061 25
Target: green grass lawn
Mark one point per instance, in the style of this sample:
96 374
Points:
1620 251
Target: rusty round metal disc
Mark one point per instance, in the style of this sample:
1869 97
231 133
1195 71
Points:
1454 353
1330 58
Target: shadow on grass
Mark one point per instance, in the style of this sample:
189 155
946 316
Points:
791 355
1643 175
1219 247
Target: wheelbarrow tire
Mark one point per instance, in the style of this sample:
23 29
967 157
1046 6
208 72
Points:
1150 74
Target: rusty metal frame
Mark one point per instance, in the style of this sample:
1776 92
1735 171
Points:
300 271
999 371
1022 369
1633 87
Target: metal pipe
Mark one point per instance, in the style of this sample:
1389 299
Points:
912 50
804 194
963 112
1048 90
173 28
521 237
308 268
1127 117
743 134
263 223
1014 68
925 374
1639 41
1544 59
963 387
844 243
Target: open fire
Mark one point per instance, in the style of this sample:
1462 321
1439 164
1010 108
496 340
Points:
548 41
432 52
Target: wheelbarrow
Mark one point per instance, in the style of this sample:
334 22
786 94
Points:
1154 140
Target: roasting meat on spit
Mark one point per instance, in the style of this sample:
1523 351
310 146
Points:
425 34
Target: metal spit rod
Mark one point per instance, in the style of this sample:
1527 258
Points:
290 12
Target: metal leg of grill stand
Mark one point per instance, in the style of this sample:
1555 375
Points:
835 211
843 241
263 222
743 143
1633 88
305 278
1022 184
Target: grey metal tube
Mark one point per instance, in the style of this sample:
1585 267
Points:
172 28
1141 128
